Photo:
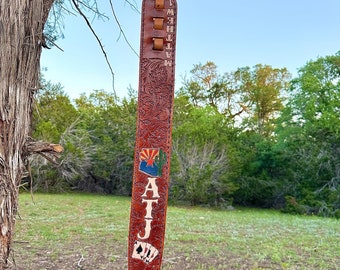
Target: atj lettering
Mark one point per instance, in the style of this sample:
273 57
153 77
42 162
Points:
149 197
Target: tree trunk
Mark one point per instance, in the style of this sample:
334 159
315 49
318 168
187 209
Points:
21 40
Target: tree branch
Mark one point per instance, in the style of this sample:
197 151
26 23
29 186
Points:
121 29
94 9
49 151
133 5
98 40
39 147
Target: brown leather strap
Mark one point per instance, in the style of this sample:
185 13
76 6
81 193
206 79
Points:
158 23
153 138
159 4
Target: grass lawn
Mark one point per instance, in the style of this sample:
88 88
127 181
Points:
81 231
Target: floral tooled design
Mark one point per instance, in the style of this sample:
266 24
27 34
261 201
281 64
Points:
154 73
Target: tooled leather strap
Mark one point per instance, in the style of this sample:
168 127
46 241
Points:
153 137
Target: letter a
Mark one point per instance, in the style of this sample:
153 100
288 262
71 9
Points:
151 186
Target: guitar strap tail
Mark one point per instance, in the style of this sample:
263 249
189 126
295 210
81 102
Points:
153 136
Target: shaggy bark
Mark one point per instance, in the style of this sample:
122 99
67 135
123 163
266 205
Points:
21 41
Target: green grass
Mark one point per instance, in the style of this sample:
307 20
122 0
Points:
81 231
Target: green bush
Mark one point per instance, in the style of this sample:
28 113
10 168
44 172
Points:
293 207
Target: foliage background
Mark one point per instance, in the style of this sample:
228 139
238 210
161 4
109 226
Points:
253 136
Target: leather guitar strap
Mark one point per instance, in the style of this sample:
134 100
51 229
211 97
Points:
153 137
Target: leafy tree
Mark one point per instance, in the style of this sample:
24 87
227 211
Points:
207 87
200 163
262 89
254 94
248 98
56 119
98 138
53 118
262 172
111 125
53 112
309 130
203 86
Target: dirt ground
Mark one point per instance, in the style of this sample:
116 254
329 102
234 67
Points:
95 257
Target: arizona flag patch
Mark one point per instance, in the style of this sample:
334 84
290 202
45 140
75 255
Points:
151 161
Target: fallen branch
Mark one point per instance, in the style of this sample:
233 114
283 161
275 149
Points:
34 147
49 151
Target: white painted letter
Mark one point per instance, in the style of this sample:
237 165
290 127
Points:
149 207
170 28
171 20
171 12
151 186
168 63
169 38
168 46
147 230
